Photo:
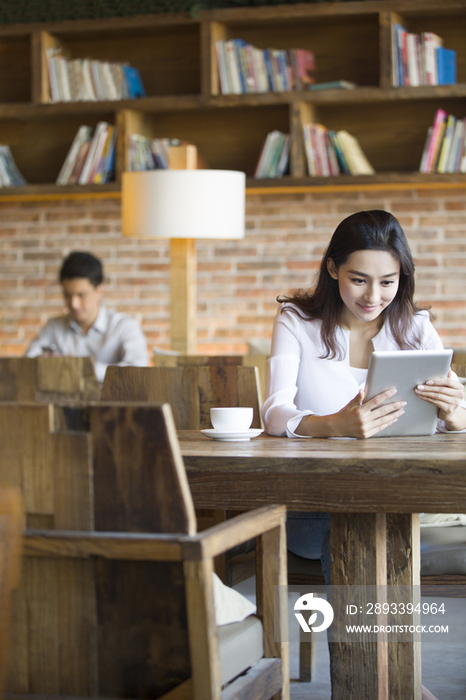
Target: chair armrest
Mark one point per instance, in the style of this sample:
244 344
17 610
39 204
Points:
219 538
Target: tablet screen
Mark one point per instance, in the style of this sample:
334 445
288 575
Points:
404 370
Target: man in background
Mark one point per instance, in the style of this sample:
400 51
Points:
89 328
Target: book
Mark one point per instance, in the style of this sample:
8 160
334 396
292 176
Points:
134 82
273 158
453 164
446 66
333 85
357 162
339 153
243 68
439 120
431 42
10 174
425 151
223 72
94 147
446 144
284 157
83 135
104 167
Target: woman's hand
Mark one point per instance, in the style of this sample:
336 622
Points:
362 420
446 394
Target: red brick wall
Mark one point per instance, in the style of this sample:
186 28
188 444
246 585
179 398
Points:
237 280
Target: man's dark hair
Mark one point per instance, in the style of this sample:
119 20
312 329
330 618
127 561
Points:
80 264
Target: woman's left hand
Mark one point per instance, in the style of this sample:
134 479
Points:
446 394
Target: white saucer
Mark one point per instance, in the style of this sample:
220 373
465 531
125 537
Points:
232 437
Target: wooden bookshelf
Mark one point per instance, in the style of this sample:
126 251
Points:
176 57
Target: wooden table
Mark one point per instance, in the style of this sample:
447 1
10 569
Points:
374 490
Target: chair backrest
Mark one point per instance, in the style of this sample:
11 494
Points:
252 360
191 391
140 482
11 527
85 627
48 379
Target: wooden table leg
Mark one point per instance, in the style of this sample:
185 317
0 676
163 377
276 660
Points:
403 569
359 670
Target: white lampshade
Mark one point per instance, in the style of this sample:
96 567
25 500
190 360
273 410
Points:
184 204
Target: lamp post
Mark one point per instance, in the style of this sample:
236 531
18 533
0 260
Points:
183 205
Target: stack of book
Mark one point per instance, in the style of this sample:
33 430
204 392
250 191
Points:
445 146
149 154
244 68
9 173
333 152
84 79
421 59
91 157
273 159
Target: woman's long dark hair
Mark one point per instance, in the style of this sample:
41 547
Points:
365 230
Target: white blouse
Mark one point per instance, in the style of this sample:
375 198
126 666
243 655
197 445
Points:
300 383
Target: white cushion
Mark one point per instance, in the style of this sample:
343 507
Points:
241 646
443 550
230 606
442 519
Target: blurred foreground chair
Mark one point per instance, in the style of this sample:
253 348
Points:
252 360
108 608
48 379
11 531
192 391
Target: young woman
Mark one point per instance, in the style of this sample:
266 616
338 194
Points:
321 344
323 338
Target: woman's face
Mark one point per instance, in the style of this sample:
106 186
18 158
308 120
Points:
368 283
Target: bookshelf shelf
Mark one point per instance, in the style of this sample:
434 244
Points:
175 55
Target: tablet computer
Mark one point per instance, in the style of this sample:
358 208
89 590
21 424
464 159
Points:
404 370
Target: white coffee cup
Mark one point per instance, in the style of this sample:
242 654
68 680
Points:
231 419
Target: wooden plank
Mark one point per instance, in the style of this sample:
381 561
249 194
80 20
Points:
59 375
73 481
77 628
262 679
203 635
11 526
17 673
41 585
108 545
403 566
272 599
143 638
359 558
25 454
234 532
140 483
17 379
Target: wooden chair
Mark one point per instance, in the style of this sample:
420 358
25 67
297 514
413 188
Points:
11 529
259 361
120 603
191 391
48 379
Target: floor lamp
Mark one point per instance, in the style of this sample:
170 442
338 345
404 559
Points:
183 205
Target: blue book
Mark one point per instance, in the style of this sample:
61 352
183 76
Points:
239 45
269 67
446 66
134 82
